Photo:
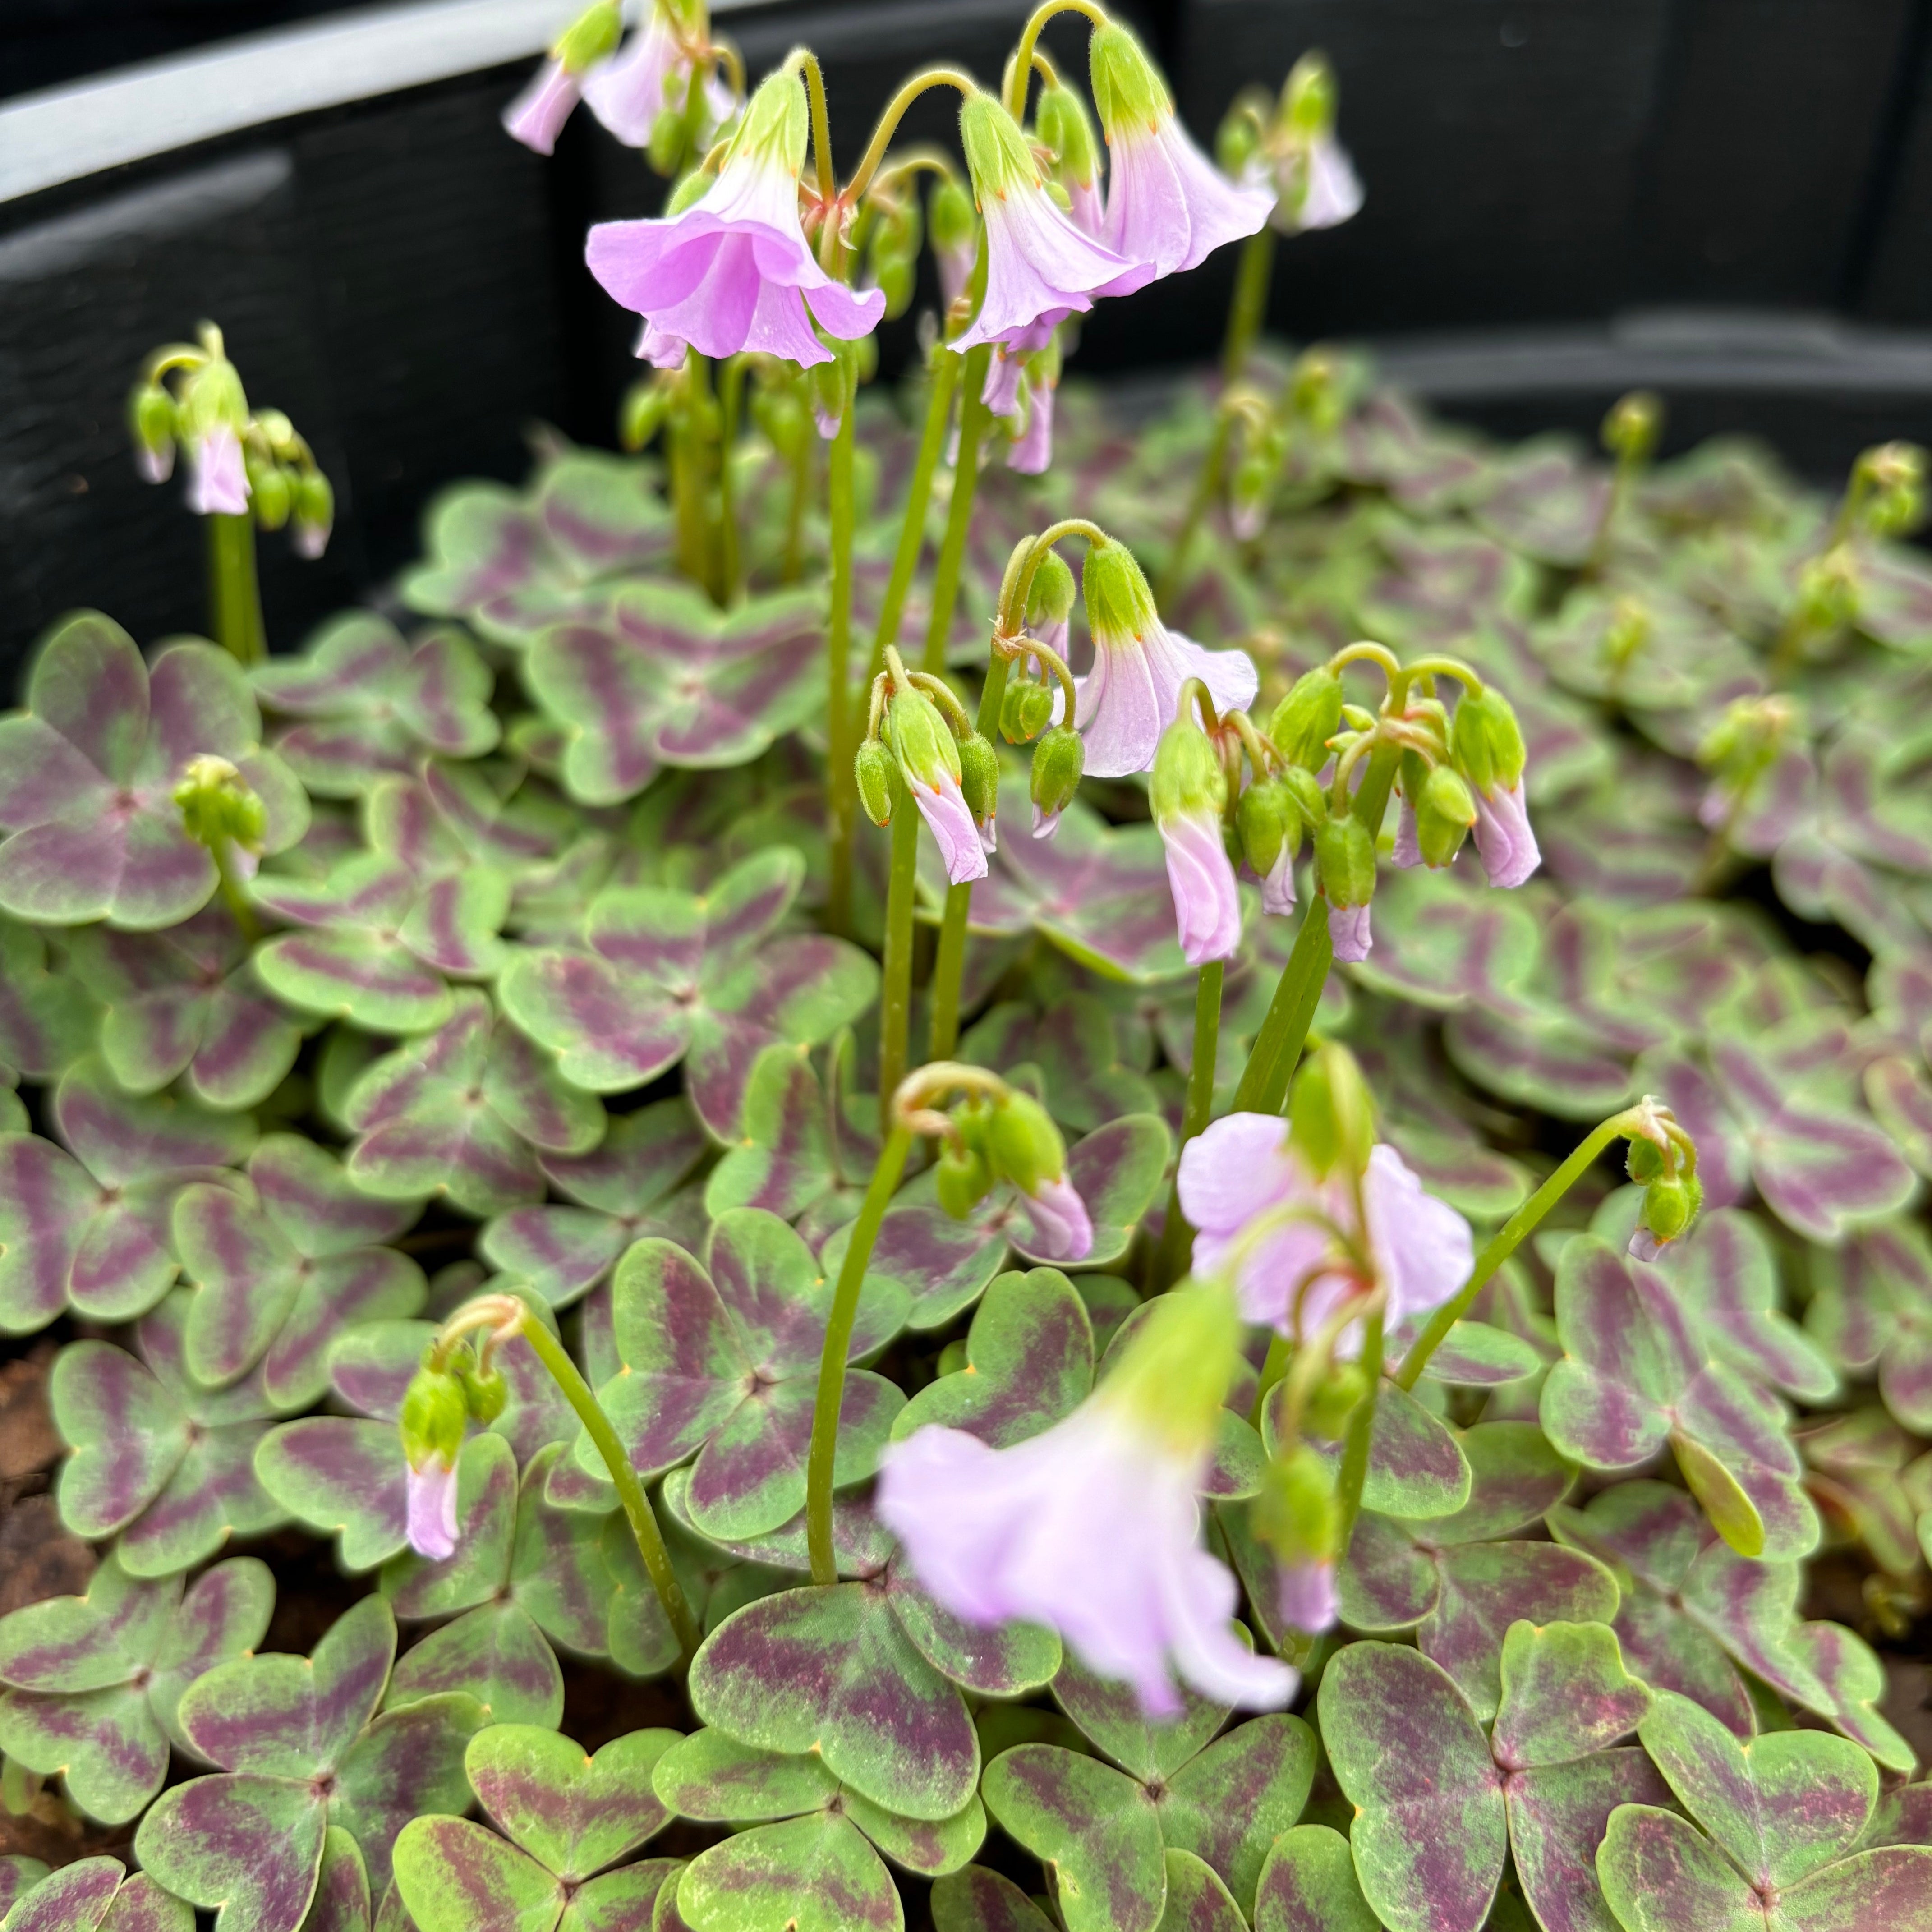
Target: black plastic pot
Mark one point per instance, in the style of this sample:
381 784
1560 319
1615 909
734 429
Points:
408 283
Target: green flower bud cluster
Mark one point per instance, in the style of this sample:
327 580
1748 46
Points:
1827 593
1060 125
1307 718
1008 1137
925 738
1331 1117
1747 740
1631 429
1894 476
1267 817
443 1400
1672 1195
284 484
1630 628
218 807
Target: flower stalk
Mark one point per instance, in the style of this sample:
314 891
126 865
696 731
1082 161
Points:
843 797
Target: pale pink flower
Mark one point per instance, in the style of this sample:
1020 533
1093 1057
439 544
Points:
1278 884
1001 393
660 349
218 479
1094 1529
1063 1231
954 265
1089 208
1643 1246
1131 694
950 819
536 116
650 72
1408 851
733 271
1307 1596
155 466
431 1494
1349 934
1030 453
1168 205
1207 903
1240 1178
1323 189
1504 841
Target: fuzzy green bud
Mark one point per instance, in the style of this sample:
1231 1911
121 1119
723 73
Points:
1311 802
1746 740
961 1180
1187 774
642 414
151 419
1344 854
1631 429
217 804
1670 1204
312 504
1238 139
1177 1367
1060 122
949 214
998 156
1828 591
670 134
1058 760
1025 710
978 776
434 1416
1644 1161
878 773
1307 718
1297 1513
1628 631
921 739
591 37
1129 92
690 189
269 495
1331 1118
1444 811
1050 595
1119 604
1267 818
1309 98
1023 1145
1895 473
487 1394
212 398
1487 740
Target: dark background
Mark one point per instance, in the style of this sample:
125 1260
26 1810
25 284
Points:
407 282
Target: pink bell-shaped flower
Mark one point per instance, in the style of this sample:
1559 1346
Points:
218 478
430 1492
732 271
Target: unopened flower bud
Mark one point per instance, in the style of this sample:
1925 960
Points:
1896 472
1297 1514
217 804
1023 1145
641 414
1238 139
1267 818
1644 1161
666 144
1308 97
1305 789
1631 429
1670 1204
1187 775
950 217
1058 761
1828 591
1307 718
1443 814
1628 631
921 739
878 773
1488 741
961 1180
1345 857
591 37
487 1393
1332 1120
978 776
434 1416
1025 711
1060 122
1050 595
269 495
151 419
312 504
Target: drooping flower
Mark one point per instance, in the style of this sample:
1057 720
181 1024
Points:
1299 159
1350 934
1323 189
1123 705
660 349
1094 1527
1168 205
1063 1229
1257 1206
1345 862
1306 1596
649 74
733 270
1031 451
536 116
1504 841
1188 792
1001 393
1061 126
218 478
431 1494
928 761
1039 268
1490 756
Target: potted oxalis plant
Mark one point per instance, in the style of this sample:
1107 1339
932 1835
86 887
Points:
1084 1352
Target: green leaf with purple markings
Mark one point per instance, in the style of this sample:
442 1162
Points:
978 1900
18 1877
93 1680
1431 1831
1074 1045
86 1227
278 1273
833 1670
721 1363
168 1465
1417 1468
785 1159
1197 1901
1545 500
666 976
1029 1363
455 1876
620 1191
463 1112
574 1813
661 677
90 769
818 1871
367 703
1558 1814
75 1898
1872 1306
1633 1378
1308 1884
495 1653
48 1020
186 1004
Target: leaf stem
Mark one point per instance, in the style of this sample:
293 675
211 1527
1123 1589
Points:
841 786
896 989
234 593
1356 1444
1277 1050
974 415
895 113
630 1491
1170 1260
1020 72
825 1409
1248 309
1508 1239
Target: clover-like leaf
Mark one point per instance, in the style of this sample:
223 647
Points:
818 1870
723 1362
48 1020
621 1190
341 1476
1416 1468
1565 1694
1873 1306
667 976
186 1003
370 703
90 771
1431 1832
1558 1814
661 677
495 1653
574 1812
1095 1827
833 1670
978 1900
1633 1378
1232 1802
93 1680
1075 1046
785 1158
1308 1884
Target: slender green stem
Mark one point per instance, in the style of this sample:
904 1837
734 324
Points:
948 970
895 113
1206 486
232 896
1273 1369
1249 309
841 786
944 381
234 594
1277 1047
896 989
1021 71
821 123
1171 1263
630 1491
1372 796
801 486
730 404
819 1465
973 417
1504 1242
1356 1444
687 497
